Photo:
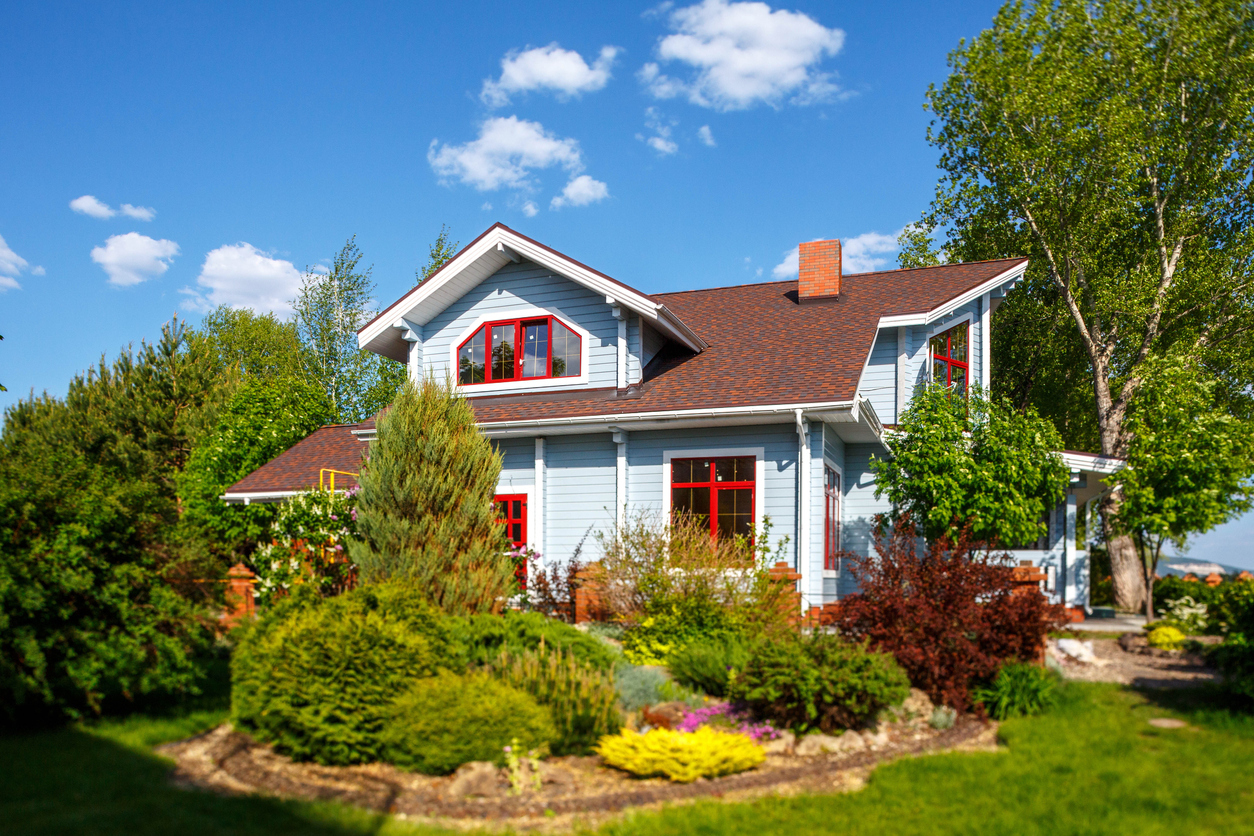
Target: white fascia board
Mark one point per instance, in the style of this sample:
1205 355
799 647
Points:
1093 462
1009 277
785 411
256 496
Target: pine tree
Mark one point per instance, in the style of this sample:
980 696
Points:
425 514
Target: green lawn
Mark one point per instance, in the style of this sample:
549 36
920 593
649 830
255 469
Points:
1091 765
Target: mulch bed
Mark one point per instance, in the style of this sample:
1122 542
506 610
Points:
573 788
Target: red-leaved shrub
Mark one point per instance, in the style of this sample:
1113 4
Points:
948 615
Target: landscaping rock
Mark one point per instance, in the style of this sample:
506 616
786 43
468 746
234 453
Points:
1077 650
918 704
1167 723
850 741
781 745
873 737
477 778
665 715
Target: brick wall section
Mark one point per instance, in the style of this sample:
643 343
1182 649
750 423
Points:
819 269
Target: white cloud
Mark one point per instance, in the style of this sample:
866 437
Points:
38 271
662 128
242 276
11 266
143 213
859 254
530 209
744 54
504 154
580 191
662 145
89 205
486 207
563 71
133 258
706 136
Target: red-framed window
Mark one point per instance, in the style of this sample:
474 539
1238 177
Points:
831 517
511 512
519 349
716 492
951 358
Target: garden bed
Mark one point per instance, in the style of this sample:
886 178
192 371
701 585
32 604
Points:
227 761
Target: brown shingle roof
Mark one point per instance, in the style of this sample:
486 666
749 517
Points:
296 469
764 346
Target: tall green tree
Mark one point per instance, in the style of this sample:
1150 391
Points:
439 254
1113 143
425 513
1189 463
971 463
330 308
260 346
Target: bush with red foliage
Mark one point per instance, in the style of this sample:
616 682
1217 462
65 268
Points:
552 591
949 616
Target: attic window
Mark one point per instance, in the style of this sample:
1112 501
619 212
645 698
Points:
951 358
520 349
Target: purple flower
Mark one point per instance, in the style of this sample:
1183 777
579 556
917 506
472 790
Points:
334 517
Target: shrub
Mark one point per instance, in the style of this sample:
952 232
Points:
316 676
425 510
581 700
1235 660
482 638
948 616
681 756
723 716
447 720
819 681
306 546
707 664
1187 614
943 717
1018 690
551 589
638 686
1166 637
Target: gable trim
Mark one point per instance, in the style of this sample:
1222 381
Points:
1008 277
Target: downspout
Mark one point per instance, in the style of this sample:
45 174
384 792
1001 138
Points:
620 479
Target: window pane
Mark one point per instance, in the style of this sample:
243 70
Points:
515 533
940 371
566 361
735 512
516 510
470 359
503 352
690 470
958 344
739 469
535 349
958 378
694 502
940 346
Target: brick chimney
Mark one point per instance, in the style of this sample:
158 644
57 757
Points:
818 269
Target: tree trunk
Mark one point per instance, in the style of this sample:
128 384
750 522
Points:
1127 574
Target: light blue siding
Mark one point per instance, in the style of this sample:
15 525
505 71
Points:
527 285
879 378
861 506
518 463
651 344
579 497
634 350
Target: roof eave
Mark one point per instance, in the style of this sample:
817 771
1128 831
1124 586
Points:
1009 277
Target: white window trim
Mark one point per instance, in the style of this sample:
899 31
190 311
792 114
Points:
949 325
840 512
532 510
470 390
759 475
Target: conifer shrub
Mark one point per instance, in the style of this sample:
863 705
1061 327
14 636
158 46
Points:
447 720
424 513
582 700
949 615
482 638
818 681
682 757
317 676
707 665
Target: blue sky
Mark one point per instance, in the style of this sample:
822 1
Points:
212 152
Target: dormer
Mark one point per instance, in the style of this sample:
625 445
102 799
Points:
510 315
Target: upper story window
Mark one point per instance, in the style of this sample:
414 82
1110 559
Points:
951 358
520 349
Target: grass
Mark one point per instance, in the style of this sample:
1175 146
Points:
1090 765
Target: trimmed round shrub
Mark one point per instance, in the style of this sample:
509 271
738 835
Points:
1019 690
681 756
1166 637
447 720
819 681
707 665
483 637
581 700
316 677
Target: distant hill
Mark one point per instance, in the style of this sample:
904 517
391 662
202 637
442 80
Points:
1201 568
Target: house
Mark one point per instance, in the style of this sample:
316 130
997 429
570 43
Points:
734 403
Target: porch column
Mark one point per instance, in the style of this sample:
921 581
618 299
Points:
537 512
1069 550
620 479
986 342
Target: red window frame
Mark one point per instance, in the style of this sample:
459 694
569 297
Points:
944 359
831 517
716 485
518 325
511 512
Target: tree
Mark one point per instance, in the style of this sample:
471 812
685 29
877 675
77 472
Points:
1113 143
329 310
1189 464
971 465
257 345
440 253
425 512
916 248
